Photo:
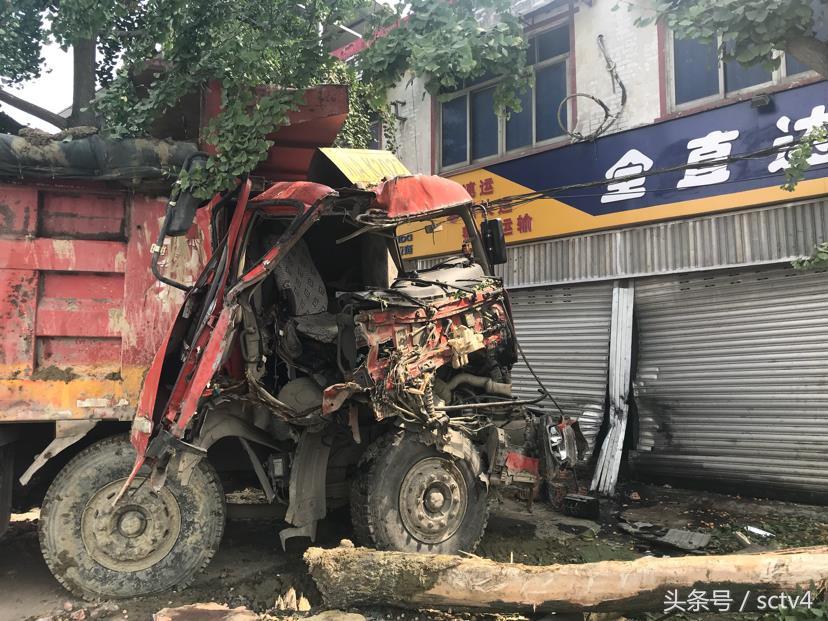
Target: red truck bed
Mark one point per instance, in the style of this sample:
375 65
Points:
81 312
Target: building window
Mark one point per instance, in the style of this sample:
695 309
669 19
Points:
376 133
699 75
470 130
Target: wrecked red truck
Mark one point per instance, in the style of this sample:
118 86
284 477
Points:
306 360
340 386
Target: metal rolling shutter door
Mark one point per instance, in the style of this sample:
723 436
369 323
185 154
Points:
732 379
564 332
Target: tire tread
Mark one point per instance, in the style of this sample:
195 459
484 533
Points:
58 485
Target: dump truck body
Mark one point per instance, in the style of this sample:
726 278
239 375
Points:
82 313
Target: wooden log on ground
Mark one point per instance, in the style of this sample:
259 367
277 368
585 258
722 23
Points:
348 576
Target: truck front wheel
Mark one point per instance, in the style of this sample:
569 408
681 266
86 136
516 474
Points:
411 497
149 542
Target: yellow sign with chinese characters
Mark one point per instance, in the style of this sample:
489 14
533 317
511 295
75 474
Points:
366 167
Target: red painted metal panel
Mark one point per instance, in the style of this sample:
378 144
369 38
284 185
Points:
79 352
18 210
18 289
83 285
303 191
81 216
150 306
70 336
419 194
315 124
78 317
68 255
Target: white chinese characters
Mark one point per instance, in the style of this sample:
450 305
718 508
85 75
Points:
709 157
817 118
633 162
711 148
714 146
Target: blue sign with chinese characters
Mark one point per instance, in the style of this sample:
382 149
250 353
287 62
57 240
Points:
729 131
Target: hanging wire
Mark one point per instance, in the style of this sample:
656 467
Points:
515 200
609 117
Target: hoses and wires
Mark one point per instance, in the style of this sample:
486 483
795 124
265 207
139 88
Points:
609 117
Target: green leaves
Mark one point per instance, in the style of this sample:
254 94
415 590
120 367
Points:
753 28
21 35
450 44
244 44
799 155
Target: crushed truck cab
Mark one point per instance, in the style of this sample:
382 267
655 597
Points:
346 377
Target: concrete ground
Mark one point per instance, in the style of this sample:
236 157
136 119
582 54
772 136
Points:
251 569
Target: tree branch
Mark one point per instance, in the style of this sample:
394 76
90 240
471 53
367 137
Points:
809 51
35 110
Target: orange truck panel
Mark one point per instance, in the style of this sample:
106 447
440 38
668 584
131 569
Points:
82 314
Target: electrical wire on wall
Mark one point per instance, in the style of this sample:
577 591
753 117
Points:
609 117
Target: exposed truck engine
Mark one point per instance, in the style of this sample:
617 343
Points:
342 386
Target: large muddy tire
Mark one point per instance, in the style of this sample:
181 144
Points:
411 497
148 543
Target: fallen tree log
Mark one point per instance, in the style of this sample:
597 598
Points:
348 576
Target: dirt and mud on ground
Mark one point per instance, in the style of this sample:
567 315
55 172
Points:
251 570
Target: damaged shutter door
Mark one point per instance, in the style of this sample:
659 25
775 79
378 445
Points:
564 332
732 380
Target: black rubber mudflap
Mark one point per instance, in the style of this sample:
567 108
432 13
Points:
6 484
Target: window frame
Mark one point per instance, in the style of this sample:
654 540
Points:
502 152
778 76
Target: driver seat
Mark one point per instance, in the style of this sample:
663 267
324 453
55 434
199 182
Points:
301 284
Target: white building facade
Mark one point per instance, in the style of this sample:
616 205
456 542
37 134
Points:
728 365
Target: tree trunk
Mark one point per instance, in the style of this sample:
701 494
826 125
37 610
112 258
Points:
35 110
809 51
347 576
83 87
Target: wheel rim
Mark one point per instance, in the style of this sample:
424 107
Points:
433 500
134 535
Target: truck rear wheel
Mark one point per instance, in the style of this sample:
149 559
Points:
413 498
149 542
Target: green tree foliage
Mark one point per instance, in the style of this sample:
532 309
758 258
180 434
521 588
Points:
753 32
247 44
21 35
450 43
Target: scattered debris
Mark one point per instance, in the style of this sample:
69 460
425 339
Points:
205 612
290 602
248 574
580 505
674 537
758 531
336 615
84 611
